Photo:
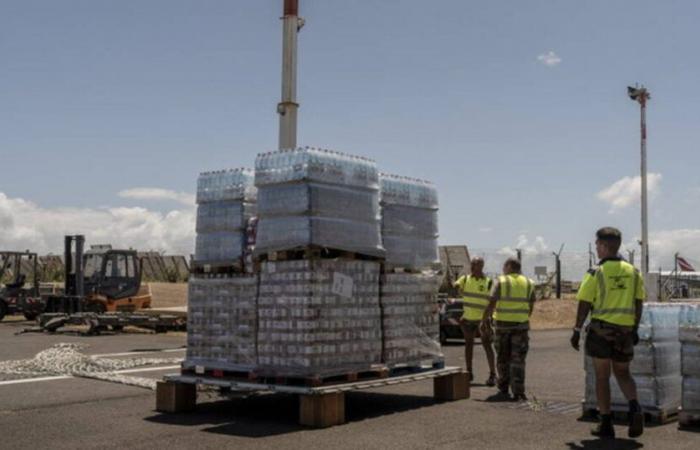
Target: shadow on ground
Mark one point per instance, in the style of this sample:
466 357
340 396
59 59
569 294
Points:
612 444
276 414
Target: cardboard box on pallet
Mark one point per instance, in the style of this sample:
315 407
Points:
222 323
410 322
318 317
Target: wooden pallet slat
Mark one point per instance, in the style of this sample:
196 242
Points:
689 420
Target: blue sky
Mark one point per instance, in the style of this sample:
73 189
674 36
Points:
97 97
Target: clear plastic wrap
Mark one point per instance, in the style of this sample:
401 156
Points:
691 393
285 233
411 252
219 246
222 185
318 317
411 327
398 190
232 215
312 164
316 199
408 221
690 322
221 323
690 359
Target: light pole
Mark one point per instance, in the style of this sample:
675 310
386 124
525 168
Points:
287 108
641 96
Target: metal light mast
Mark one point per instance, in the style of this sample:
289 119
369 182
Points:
287 108
641 96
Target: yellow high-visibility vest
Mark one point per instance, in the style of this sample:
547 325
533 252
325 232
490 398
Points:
514 302
617 285
475 296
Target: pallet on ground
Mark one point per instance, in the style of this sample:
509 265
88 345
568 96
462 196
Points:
319 406
259 376
688 419
620 413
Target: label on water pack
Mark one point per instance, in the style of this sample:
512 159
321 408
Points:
342 285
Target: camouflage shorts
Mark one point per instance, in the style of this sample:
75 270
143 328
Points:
608 341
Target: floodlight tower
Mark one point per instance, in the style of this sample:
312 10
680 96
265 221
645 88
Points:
287 108
640 95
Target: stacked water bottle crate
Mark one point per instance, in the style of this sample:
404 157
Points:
221 323
409 222
655 367
318 317
225 202
317 198
690 363
410 321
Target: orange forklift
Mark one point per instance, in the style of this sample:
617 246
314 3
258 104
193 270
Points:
99 280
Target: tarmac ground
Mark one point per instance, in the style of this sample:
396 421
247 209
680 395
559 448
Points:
64 412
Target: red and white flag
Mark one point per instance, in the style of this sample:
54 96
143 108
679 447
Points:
684 265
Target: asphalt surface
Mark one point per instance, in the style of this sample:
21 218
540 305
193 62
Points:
84 413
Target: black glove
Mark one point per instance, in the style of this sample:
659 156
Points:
575 339
635 337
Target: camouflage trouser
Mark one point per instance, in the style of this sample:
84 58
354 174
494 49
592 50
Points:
511 350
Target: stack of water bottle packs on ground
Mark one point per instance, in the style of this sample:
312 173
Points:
690 357
321 298
656 364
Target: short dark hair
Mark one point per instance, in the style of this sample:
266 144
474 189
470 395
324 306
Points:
611 236
514 264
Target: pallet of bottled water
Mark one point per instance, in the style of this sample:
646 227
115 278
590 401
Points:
310 197
410 318
222 323
226 200
690 356
656 364
318 317
409 209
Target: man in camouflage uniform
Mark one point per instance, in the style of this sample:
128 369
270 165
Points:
512 299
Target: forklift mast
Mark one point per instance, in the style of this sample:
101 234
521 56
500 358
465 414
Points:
74 278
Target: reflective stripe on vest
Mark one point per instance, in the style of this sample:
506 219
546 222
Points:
475 297
514 302
617 283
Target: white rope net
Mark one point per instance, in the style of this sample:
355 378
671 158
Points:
68 359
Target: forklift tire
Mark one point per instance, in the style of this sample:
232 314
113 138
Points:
3 309
95 307
30 316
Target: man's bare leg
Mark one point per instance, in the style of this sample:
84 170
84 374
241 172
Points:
468 348
487 343
629 388
602 384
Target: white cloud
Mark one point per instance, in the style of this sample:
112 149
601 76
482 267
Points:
536 247
485 229
549 59
664 244
627 191
26 225
146 193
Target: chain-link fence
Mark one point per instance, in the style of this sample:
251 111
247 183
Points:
573 264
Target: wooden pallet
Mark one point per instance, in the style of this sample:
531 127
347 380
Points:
407 368
217 268
319 407
378 372
653 417
314 252
689 420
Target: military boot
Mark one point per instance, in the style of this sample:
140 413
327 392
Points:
604 429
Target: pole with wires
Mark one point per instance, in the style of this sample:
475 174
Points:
641 96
